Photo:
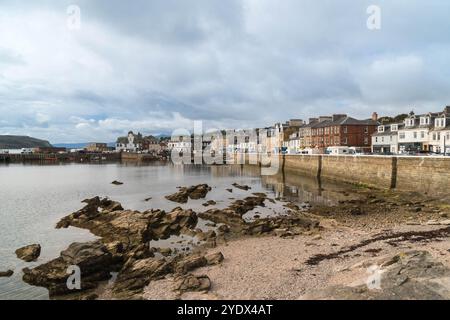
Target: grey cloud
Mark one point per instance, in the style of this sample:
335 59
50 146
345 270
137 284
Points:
155 65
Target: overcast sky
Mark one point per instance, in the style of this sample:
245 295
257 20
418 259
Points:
153 66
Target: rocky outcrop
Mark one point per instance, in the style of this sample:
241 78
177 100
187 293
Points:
214 258
6 274
29 253
134 276
209 203
193 283
412 275
194 192
242 187
93 259
241 207
232 221
107 219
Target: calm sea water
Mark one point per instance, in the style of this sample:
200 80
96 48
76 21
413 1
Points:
33 199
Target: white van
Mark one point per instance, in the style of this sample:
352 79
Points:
339 151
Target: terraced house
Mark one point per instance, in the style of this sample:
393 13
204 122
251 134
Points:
440 134
342 130
385 140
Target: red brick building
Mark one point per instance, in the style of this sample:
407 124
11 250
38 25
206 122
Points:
341 130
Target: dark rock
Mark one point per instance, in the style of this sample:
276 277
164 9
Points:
203 236
241 207
191 283
356 211
194 192
242 187
209 203
190 263
214 258
29 253
223 228
6 274
117 183
136 276
93 259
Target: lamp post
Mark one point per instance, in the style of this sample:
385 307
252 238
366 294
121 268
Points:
445 149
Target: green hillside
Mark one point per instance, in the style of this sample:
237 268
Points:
18 142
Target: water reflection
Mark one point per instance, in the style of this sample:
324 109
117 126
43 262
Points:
33 198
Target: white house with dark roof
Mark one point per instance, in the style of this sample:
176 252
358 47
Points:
425 133
414 135
440 134
385 140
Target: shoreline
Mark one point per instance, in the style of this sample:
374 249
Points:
259 253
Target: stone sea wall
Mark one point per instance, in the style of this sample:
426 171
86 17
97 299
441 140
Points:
407 173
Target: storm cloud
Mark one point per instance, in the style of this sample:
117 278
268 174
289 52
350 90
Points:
154 66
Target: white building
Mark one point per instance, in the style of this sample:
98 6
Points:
414 136
385 140
440 134
293 145
131 143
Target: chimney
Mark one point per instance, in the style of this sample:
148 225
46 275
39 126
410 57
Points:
447 110
324 118
375 116
313 120
336 117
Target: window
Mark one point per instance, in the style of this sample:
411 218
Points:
366 130
401 136
345 130
376 139
394 127
381 129
422 134
366 140
415 135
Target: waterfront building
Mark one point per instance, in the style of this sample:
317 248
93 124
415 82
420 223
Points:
414 136
385 140
97 147
439 141
342 130
130 143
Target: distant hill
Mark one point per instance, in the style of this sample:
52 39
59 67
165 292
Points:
18 142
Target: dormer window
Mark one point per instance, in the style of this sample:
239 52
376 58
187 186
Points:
394 127
380 128
409 122
440 123
424 121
